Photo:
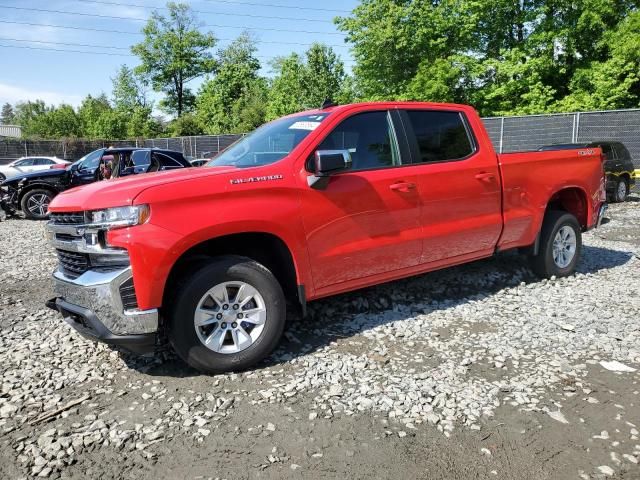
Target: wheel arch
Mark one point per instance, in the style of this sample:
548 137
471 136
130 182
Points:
265 248
36 186
573 200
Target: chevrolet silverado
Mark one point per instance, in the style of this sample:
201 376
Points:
309 205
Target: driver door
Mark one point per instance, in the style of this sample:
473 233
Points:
86 171
364 221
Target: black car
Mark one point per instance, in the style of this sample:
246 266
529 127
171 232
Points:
618 165
32 192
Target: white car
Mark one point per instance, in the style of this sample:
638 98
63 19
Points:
29 164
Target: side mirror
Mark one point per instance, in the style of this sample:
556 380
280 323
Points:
329 162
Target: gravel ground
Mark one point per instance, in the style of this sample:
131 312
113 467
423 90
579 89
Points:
479 371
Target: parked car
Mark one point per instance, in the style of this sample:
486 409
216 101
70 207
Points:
310 205
30 164
618 165
32 192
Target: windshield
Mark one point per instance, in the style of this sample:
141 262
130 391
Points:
269 143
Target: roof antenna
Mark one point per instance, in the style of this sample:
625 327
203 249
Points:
328 103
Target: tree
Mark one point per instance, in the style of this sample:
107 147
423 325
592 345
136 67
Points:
60 122
91 113
323 75
128 90
130 100
286 95
503 56
229 102
301 84
186 125
173 53
30 116
7 116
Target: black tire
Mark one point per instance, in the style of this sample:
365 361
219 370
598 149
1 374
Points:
31 199
2 177
182 332
618 197
543 263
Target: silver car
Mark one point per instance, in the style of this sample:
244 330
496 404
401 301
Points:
30 164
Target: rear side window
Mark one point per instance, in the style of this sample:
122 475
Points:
43 161
165 161
622 151
441 136
607 151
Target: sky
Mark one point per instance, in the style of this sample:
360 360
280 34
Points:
41 60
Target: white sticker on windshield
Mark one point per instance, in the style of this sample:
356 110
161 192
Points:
304 126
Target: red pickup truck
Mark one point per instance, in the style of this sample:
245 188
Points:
307 206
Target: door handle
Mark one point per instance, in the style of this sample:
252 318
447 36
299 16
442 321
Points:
402 186
485 176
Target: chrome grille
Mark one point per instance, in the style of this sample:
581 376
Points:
73 264
128 295
67 218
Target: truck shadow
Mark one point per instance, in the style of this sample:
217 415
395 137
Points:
347 315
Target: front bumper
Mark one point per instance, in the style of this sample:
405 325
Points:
92 304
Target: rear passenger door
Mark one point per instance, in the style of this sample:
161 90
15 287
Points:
458 184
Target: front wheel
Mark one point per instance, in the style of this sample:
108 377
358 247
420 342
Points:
560 245
35 204
227 316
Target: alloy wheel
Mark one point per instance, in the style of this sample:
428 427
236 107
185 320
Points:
230 317
564 246
38 204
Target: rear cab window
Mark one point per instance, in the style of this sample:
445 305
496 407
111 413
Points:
439 136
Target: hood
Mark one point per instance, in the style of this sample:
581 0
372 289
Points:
122 191
53 172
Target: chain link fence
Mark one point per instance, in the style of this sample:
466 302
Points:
509 134
196 147
514 134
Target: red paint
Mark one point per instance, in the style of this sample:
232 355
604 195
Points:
365 227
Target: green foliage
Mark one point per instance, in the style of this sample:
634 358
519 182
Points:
301 84
187 124
128 90
173 53
233 100
7 116
504 57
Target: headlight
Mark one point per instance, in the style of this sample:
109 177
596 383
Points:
118 217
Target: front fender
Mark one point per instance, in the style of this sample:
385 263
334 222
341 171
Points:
154 250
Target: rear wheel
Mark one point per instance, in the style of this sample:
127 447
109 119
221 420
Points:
228 315
621 191
560 245
35 203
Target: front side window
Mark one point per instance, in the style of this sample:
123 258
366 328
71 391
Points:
91 160
369 138
441 136
269 143
27 162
